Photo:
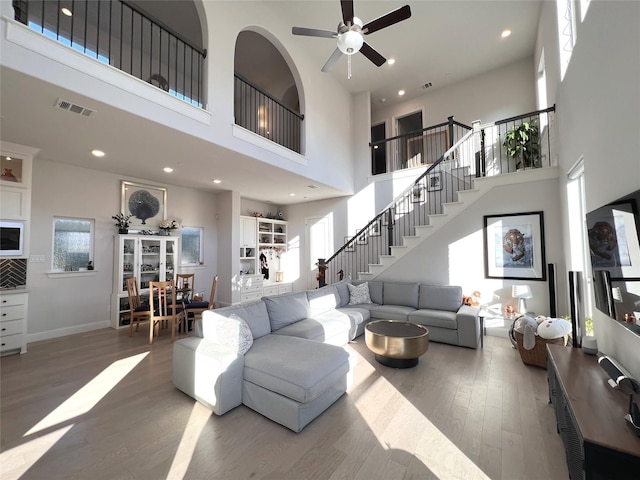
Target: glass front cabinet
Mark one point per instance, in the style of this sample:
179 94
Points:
148 258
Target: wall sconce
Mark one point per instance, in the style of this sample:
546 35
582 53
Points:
521 292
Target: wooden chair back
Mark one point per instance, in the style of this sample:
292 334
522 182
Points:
164 308
136 310
212 297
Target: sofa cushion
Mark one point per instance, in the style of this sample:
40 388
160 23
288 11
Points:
434 318
255 314
440 297
391 312
322 300
343 291
359 294
329 327
358 315
233 332
286 309
401 294
295 367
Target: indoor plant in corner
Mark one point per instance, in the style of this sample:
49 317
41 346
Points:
523 144
122 222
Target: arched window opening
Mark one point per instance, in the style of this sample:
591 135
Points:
266 99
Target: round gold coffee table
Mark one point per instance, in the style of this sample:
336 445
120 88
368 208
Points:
396 343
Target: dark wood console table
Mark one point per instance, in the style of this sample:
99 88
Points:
590 415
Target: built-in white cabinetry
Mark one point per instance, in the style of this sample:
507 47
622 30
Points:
13 323
270 289
148 258
250 288
248 241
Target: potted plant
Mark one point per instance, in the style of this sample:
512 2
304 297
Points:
523 144
167 225
122 222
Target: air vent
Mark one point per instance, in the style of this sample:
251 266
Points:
313 186
72 107
427 85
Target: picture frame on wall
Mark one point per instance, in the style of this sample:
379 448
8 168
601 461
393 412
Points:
514 246
434 182
417 194
362 239
146 203
348 247
374 229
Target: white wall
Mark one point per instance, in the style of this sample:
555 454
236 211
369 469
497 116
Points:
489 97
598 117
61 306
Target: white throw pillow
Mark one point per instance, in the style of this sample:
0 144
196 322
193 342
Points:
359 294
554 328
234 332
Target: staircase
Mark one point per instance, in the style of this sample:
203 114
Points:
467 171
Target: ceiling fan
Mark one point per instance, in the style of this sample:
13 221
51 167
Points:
350 34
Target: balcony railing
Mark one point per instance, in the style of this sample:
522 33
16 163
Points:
120 34
261 113
482 151
414 149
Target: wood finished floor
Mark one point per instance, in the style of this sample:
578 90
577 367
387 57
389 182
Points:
101 405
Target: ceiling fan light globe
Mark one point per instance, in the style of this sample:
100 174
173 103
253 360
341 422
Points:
350 42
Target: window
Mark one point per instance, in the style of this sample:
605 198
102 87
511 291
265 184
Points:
566 32
192 253
72 243
584 5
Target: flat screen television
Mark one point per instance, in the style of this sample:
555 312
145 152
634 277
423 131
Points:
613 231
11 239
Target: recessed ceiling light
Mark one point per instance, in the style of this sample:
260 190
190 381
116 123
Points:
8 158
505 33
383 100
292 194
391 61
216 180
168 169
66 11
97 153
401 92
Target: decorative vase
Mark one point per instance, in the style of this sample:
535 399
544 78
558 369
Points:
123 231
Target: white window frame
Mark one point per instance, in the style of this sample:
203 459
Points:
566 32
92 238
201 248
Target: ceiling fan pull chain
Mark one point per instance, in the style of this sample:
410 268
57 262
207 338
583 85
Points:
348 67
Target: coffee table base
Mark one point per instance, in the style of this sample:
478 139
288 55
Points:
396 362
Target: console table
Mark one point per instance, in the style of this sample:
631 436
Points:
590 415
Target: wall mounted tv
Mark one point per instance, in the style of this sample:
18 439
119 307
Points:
614 232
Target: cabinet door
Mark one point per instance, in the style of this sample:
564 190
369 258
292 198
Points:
128 261
168 259
248 232
151 250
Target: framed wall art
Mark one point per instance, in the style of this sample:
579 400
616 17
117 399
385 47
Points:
349 247
434 182
514 246
147 204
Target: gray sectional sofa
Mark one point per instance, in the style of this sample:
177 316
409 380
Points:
296 367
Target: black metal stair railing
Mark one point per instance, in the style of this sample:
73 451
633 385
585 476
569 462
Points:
120 34
265 115
480 152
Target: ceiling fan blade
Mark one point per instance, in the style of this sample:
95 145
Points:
347 11
333 59
368 51
390 18
312 32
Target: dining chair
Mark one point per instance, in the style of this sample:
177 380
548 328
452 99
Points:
185 286
137 309
165 308
198 306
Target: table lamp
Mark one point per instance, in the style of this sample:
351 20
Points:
521 292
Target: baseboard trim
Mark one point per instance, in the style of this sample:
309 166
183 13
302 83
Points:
63 332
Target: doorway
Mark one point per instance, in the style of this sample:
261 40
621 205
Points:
379 151
319 234
410 151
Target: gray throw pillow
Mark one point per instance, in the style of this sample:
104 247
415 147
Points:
359 294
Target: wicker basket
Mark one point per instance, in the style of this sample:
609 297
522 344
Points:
537 356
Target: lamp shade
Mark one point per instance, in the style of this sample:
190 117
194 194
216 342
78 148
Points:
521 291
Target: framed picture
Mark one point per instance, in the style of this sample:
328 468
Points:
434 182
613 240
147 204
374 229
389 217
11 169
349 247
514 246
362 239
417 194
